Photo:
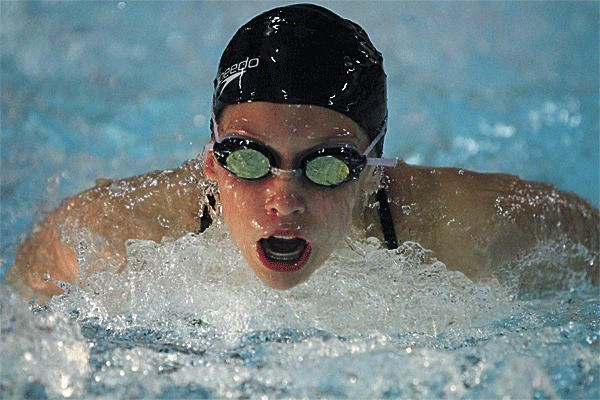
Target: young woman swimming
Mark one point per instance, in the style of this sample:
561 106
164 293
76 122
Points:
299 119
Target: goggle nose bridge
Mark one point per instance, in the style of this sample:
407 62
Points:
287 173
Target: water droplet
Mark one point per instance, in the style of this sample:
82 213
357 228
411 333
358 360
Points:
121 5
162 221
46 277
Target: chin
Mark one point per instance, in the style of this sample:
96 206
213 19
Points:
283 284
281 280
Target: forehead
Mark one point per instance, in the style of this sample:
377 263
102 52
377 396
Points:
300 124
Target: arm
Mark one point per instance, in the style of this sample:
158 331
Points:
476 222
43 257
95 225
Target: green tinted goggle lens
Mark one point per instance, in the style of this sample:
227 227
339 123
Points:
327 171
248 164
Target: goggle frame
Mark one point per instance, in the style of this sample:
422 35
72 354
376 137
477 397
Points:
351 157
356 162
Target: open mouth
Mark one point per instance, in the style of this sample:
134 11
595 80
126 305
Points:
283 253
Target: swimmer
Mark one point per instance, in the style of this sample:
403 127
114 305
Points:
294 166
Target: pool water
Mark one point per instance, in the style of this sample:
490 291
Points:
188 319
112 89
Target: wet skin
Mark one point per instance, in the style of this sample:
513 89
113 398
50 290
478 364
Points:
475 223
287 205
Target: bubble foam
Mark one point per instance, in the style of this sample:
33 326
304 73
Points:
188 318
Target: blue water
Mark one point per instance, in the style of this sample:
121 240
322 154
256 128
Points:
113 89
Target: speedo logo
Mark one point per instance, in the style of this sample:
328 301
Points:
236 71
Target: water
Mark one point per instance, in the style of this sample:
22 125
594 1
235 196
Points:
187 319
112 89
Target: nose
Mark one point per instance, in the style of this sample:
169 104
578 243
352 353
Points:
284 198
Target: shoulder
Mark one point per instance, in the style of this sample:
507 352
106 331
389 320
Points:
161 202
149 206
435 195
455 187
450 180
473 220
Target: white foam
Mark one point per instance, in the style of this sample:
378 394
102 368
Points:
361 289
189 317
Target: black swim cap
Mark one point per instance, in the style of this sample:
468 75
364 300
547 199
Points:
305 54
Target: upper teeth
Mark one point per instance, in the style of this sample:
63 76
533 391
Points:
283 237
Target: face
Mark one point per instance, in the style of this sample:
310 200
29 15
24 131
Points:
279 218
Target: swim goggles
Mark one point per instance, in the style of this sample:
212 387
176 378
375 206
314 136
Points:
327 166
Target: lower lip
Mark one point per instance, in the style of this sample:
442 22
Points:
282 266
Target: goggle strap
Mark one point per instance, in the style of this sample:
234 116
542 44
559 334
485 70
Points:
382 162
215 126
379 162
374 142
207 148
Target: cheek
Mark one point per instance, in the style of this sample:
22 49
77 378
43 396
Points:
335 208
237 202
235 194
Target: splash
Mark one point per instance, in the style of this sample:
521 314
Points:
188 318
361 289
